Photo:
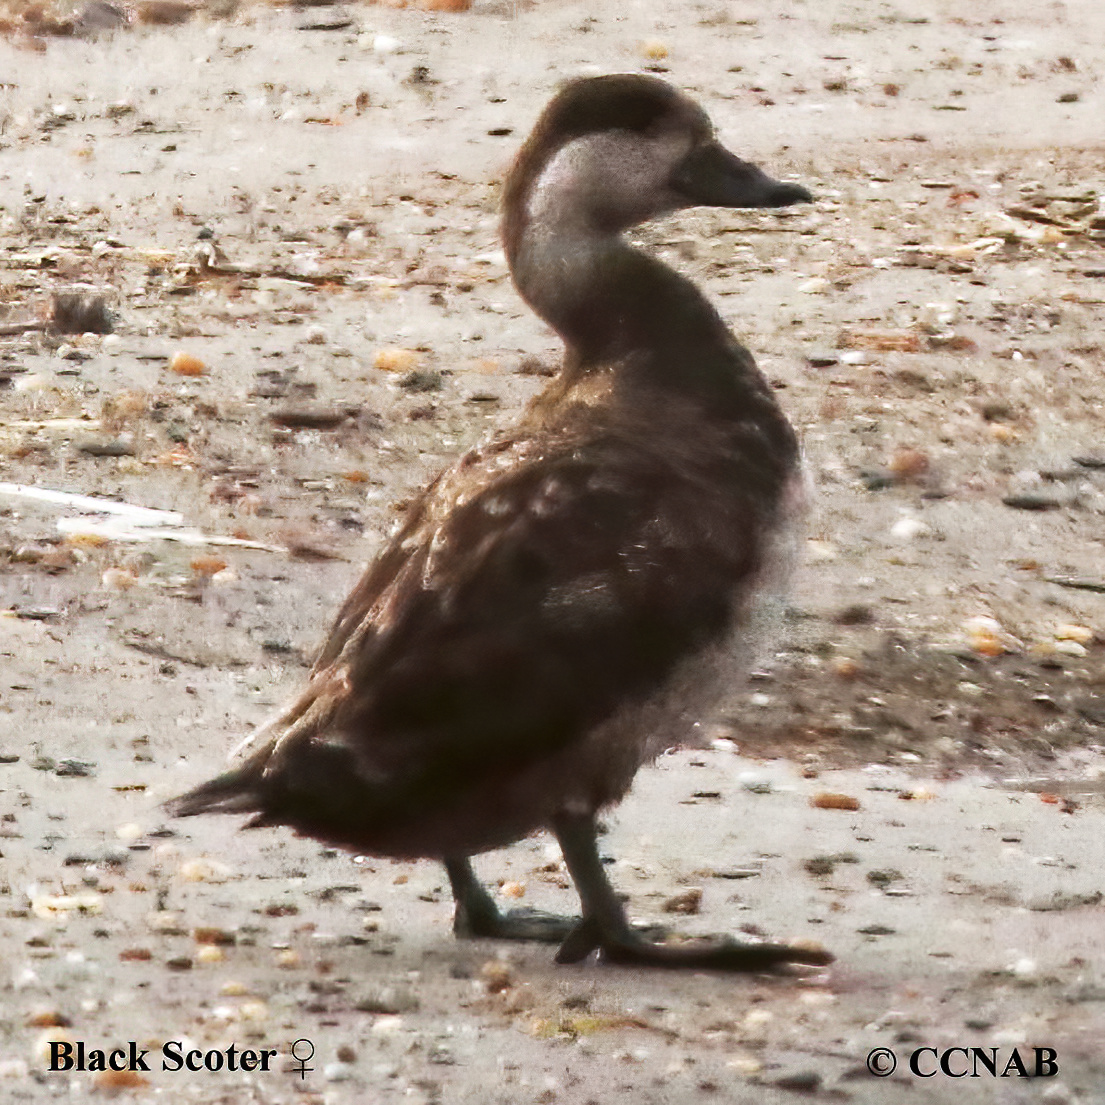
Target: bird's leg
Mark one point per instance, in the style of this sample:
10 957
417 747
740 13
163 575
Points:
477 915
606 928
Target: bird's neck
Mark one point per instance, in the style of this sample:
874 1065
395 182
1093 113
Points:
621 311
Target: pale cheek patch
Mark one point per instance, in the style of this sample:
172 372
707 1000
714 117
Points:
557 180
616 172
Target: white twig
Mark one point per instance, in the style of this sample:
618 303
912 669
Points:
117 531
88 504
130 523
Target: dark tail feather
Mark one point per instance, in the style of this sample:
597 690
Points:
232 792
250 788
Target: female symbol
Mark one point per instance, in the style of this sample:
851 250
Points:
302 1060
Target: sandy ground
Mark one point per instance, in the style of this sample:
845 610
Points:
288 194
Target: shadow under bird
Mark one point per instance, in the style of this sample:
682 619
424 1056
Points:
562 602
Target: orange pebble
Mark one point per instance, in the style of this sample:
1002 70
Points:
184 364
827 801
207 565
86 540
49 1019
396 360
909 463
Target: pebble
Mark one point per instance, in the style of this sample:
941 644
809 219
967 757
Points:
820 551
184 364
825 800
207 564
204 870
41 1048
210 934
51 907
654 49
393 359
497 976
1058 901
386 1026
986 636
908 464
908 528
802 1081
735 872
164 13
390 1000
1081 634
166 922
745 1064
688 901
883 878
1032 500
108 447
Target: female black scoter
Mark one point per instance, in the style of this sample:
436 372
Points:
561 602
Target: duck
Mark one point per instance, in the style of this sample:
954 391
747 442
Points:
559 605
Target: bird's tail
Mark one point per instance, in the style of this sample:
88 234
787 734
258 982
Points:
231 792
245 788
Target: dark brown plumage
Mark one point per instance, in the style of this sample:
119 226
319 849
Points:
559 600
